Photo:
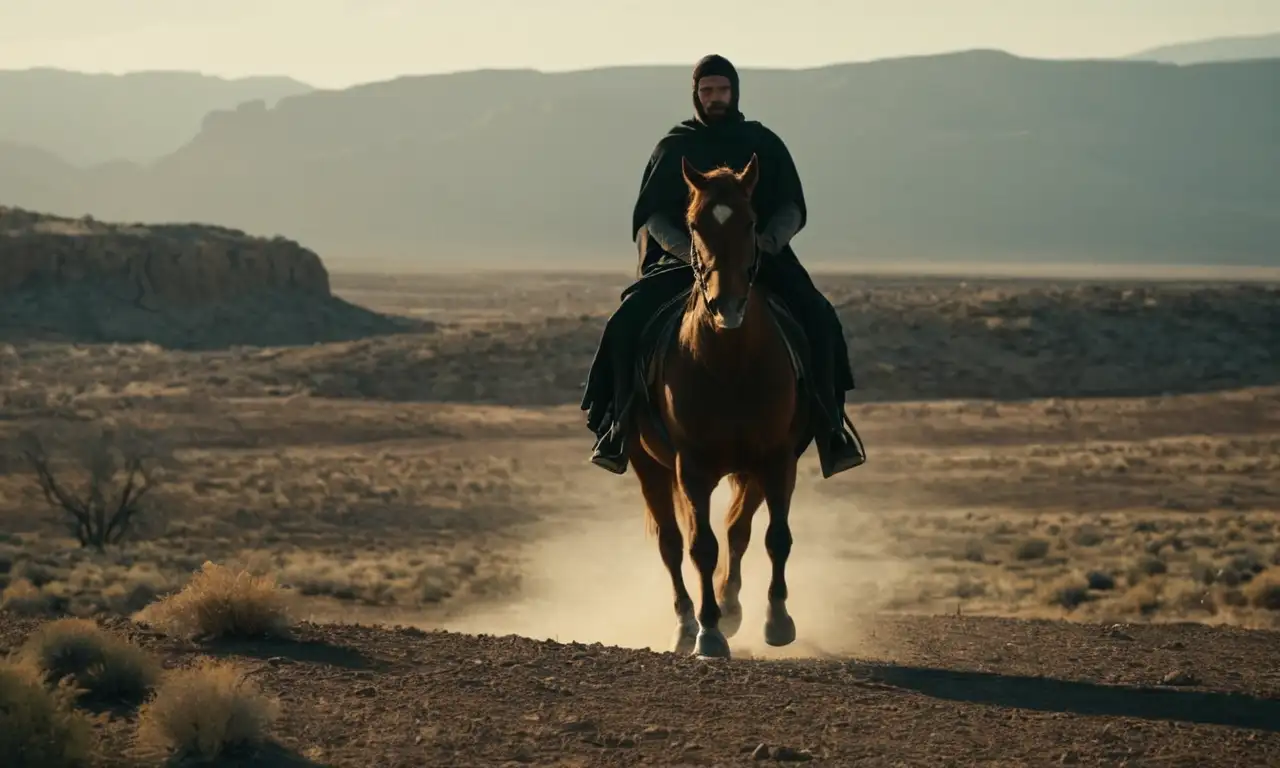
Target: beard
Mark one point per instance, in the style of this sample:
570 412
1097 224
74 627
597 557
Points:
717 109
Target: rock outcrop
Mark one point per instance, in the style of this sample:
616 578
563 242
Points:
178 285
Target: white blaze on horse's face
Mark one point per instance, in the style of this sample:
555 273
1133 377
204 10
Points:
724 274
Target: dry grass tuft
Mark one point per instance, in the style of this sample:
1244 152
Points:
106 668
1264 591
1069 591
206 712
39 727
220 602
1144 598
24 598
1031 549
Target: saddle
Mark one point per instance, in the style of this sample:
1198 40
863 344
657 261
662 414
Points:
661 332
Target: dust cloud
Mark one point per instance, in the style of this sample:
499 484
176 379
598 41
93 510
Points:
599 578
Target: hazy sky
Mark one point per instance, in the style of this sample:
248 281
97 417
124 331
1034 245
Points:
339 42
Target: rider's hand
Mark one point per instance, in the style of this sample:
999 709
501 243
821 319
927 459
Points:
767 244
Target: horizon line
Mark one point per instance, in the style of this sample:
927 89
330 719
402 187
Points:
951 52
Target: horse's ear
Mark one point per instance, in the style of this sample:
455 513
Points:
751 174
692 176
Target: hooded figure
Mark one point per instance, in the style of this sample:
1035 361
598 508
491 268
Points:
718 135
719 92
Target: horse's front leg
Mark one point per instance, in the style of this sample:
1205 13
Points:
658 485
746 500
697 485
779 483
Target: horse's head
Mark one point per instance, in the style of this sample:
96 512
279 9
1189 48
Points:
722 223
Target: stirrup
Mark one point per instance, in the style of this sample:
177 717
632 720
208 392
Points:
854 453
613 461
857 438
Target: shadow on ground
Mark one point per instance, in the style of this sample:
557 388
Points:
269 756
296 652
1048 695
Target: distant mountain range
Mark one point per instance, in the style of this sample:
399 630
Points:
972 156
1239 48
138 117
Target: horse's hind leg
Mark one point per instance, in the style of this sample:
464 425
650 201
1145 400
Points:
779 483
657 484
746 500
697 486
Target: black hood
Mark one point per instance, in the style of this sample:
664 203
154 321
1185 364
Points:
709 66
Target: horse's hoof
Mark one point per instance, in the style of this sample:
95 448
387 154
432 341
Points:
780 630
712 645
685 639
730 619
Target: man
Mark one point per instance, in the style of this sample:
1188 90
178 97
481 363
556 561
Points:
719 135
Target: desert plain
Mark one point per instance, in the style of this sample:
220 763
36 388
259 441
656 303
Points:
1064 548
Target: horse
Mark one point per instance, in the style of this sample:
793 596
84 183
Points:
725 392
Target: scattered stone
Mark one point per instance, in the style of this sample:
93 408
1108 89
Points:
1180 677
1116 632
789 755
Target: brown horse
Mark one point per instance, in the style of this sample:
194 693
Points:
726 393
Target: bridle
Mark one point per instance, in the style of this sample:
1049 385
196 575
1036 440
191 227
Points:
700 273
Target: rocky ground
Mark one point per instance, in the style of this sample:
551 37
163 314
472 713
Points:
922 692
1099 453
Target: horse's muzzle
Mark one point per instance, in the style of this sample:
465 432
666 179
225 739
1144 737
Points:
729 313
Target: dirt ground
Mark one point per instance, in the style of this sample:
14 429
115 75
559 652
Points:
924 691
1072 495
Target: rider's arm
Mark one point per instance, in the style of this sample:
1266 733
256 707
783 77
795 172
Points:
673 239
781 228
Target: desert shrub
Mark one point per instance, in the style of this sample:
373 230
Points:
25 599
105 667
1264 591
1145 598
1100 580
1031 549
1144 566
220 602
36 572
40 727
206 712
972 551
1088 536
1069 591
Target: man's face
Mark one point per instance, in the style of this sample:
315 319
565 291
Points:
714 93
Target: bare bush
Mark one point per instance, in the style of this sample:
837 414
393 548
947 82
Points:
116 472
